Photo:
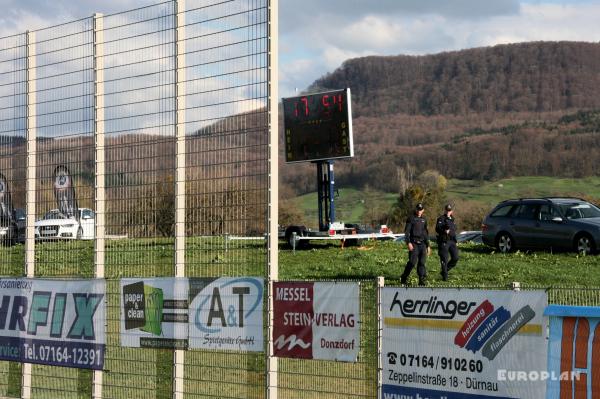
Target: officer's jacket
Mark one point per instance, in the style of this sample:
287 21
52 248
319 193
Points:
444 223
416 230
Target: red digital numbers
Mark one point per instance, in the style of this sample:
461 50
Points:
328 104
337 100
305 101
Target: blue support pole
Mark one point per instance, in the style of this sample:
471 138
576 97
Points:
331 192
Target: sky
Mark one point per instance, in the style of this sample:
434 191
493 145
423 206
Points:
317 36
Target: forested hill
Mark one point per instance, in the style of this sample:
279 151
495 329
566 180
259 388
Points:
536 76
530 109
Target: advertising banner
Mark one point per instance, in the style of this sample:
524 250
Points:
53 322
316 320
226 313
573 352
154 312
64 192
467 344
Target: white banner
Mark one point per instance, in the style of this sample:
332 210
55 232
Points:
53 322
154 312
316 320
226 313
463 344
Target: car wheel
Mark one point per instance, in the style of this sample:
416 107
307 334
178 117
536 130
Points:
79 233
584 244
505 243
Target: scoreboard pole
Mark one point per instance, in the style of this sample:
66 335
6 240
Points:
325 192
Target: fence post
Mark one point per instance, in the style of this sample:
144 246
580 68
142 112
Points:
380 285
180 120
99 229
273 237
30 184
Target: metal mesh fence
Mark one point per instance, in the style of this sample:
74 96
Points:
299 378
226 168
326 379
106 124
13 153
101 101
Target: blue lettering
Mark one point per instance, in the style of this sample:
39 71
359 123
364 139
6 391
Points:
58 315
38 315
4 311
85 307
18 313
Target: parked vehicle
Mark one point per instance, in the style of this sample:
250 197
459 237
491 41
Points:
12 229
56 226
544 223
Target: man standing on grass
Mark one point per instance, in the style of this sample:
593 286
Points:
416 237
446 240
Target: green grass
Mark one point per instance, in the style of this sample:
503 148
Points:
351 204
478 265
493 192
132 372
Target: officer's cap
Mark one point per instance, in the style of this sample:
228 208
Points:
419 207
448 207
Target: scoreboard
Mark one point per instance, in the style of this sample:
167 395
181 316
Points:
318 126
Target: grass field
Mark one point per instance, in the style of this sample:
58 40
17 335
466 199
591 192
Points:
350 204
493 192
478 265
147 373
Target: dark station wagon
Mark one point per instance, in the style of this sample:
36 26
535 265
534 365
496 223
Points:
543 223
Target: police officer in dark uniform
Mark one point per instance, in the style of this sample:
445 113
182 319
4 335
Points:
416 237
445 228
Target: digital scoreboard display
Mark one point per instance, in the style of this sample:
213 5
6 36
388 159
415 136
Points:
318 126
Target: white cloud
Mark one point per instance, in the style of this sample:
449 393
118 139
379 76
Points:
317 36
429 32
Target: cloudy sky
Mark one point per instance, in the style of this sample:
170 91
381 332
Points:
316 36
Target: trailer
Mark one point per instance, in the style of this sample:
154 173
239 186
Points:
299 237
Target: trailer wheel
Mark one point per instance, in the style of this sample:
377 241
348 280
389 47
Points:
353 242
289 237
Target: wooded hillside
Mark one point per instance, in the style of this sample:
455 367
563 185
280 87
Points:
485 113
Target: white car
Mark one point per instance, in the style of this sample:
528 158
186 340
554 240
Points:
56 226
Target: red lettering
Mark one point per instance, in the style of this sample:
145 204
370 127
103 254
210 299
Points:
566 356
596 363
581 357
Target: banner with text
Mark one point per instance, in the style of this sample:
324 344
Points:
154 312
316 320
463 344
226 313
573 352
53 322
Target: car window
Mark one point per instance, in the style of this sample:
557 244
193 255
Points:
20 214
580 211
525 211
502 211
87 213
54 215
548 212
